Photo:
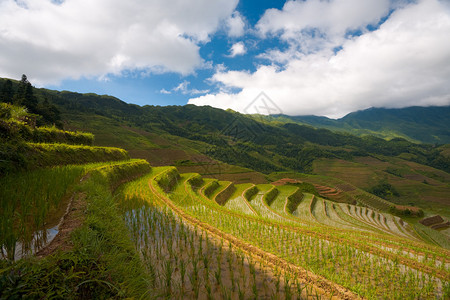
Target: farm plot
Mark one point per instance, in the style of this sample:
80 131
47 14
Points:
283 243
279 203
325 214
237 201
303 210
260 206
187 261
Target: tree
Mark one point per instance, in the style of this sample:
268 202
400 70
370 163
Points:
29 100
7 93
49 113
20 94
24 95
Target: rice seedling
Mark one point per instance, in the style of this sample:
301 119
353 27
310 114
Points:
31 203
26 199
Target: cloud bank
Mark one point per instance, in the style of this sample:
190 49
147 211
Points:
55 40
328 70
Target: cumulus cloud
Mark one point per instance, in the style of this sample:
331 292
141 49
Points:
235 25
51 41
314 24
405 62
237 49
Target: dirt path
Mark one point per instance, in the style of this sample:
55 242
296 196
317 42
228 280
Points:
320 284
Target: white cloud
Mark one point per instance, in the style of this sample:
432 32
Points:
235 25
403 63
314 24
50 41
237 49
165 92
184 89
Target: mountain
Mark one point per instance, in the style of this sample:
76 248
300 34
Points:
417 124
241 148
293 196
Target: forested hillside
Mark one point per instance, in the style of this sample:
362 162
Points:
418 124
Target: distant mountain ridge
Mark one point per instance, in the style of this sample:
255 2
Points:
419 124
228 144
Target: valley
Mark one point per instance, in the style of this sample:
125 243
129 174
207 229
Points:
123 201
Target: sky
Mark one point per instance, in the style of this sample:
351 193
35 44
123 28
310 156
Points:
297 57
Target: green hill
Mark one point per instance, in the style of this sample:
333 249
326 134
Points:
419 124
231 207
230 146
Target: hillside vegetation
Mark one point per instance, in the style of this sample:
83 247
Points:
229 207
418 124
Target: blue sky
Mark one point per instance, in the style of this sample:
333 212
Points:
308 56
143 90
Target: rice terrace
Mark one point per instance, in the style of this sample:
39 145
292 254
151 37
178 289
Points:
85 221
225 149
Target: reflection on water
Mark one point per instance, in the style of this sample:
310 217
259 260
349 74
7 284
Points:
40 239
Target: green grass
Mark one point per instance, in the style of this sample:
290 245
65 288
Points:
418 185
55 135
222 185
109 132
44 155
259 203
210 188
196 181
168 179
279 202
17 129
32 201
270 196
150 264
433 236
26 200
103 262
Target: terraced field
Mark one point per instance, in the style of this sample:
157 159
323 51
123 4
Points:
326 248
200 238
84 222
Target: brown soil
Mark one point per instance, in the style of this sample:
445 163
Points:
249 177
329 192
442 225
160 157
432 220
72 219
284 181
